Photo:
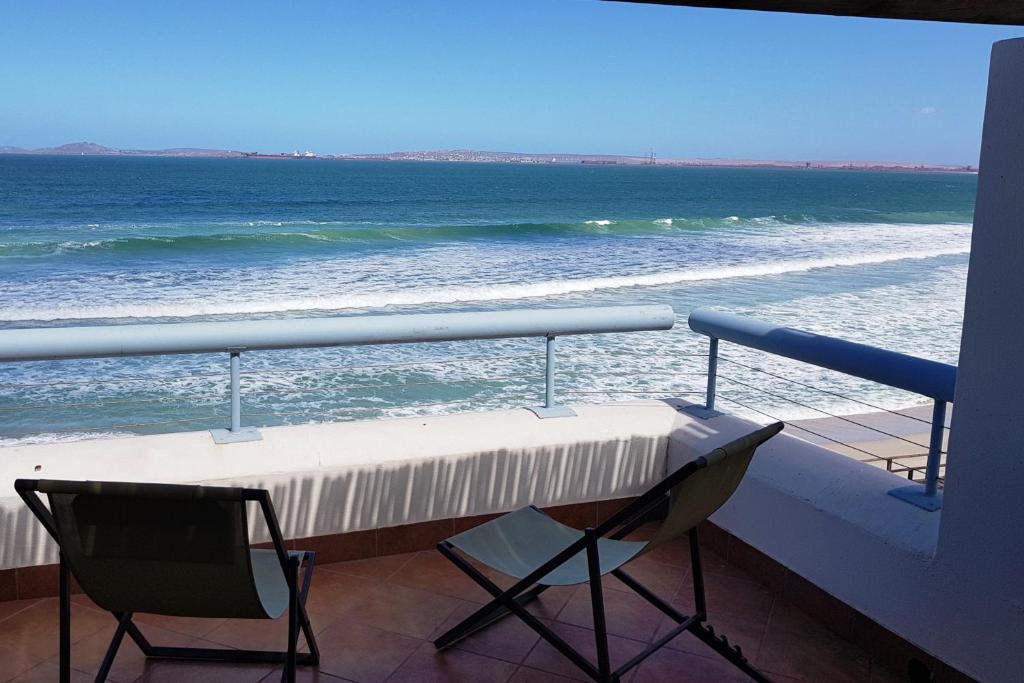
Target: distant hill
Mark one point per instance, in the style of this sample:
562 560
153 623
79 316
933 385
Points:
89 148
183 152
93 149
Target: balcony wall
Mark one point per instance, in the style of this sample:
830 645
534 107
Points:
816 515
343 478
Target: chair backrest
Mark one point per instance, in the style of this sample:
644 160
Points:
159 548
711 483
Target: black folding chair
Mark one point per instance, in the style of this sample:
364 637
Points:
540 552
172 550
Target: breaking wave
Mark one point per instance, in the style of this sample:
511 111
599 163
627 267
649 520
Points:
451 295
159 241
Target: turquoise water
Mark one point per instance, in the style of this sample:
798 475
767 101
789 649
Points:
876 257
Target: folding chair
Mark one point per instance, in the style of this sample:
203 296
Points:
172 550
530 546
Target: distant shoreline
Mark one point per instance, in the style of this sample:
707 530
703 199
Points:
474 156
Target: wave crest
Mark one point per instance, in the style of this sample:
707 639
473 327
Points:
453 295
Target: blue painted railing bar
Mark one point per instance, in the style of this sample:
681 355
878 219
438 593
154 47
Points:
918 375
63 343
236 337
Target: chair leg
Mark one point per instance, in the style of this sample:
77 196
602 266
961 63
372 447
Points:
288 675
697 572
484 617
140 640
304 623
509 600
597 604
65 622
115 643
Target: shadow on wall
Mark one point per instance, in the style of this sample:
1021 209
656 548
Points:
374 495
405 492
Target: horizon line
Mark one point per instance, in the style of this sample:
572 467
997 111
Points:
467 154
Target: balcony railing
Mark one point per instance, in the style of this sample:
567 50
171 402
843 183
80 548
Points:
929 378
237 337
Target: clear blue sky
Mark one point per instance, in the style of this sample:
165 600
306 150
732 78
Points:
518 75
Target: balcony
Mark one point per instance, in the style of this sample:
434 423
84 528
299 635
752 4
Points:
789 549
375 618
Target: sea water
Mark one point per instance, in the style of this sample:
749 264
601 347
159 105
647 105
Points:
879 258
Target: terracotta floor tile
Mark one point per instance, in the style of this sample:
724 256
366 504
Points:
363 653
33 632
16 661
508 639
546 658
626 614
189 626
796 646
48 672
683 667
549 603
728 596
373 618
12 607
334 593
407 611
166 671
264 634
747 633
713 563
381 568
527 675
451 666
305 674
87 654
432 571
658 577
675 553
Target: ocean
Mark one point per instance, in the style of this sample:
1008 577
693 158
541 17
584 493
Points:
879 258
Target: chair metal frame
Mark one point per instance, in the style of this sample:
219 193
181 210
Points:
514 599
298 618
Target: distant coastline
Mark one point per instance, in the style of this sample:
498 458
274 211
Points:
475 156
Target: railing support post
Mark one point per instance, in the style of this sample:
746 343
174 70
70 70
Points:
709 400
929 497
707 411
236 433
549 371
931 478
236 391
550 409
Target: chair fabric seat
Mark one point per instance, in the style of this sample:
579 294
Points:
271 584
521 541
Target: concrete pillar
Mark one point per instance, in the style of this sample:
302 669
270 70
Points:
981 540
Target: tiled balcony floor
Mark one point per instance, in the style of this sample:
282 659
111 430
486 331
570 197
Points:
374 620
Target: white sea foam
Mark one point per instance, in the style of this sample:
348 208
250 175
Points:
603 221
58 437
461 294
663 221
